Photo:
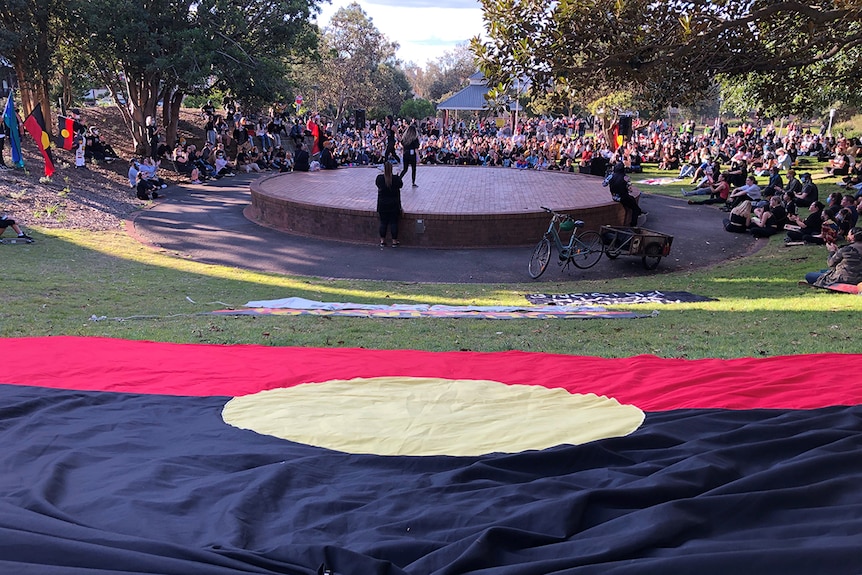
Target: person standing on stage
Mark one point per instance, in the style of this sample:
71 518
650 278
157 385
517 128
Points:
389 132
410 144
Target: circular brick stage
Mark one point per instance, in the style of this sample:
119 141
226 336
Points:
461 206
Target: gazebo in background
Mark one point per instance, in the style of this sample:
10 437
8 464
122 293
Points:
472 99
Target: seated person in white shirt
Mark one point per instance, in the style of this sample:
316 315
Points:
750 191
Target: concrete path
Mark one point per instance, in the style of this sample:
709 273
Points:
206 223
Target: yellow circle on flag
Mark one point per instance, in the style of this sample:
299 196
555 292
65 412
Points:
431 416
46 141
65 133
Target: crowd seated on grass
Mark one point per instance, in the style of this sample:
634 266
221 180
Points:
559 144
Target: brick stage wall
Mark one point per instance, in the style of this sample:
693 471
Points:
424 230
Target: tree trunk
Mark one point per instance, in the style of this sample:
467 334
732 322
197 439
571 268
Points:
172 100
32 93
142 90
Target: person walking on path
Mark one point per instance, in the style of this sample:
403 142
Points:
389 203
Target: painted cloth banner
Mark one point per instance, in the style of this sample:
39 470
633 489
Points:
118 458
651 296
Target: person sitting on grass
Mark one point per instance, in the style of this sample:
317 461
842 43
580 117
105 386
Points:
144 189
740 218
805 227
845 263
839 165
718 192
793 184
769 220
809 192
750 191
849 202
7 222
775 184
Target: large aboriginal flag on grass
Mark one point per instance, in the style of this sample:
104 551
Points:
137 457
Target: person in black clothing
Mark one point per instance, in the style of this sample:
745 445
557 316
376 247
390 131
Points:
770 220
3 130
389 203
301 159
389 129
809 226
144 188
410 143
153 133
619 187
809 193
327 159
7 222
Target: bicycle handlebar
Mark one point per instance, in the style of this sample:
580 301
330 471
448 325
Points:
556 214
558 217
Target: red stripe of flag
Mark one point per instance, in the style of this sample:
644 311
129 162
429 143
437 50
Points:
35 124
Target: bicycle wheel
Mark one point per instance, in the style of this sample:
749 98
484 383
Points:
588 250
540 258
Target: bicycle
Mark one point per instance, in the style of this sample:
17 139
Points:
584 249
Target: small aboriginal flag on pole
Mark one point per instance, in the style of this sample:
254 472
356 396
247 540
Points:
35 124
66 132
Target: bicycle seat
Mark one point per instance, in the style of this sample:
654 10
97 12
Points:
578 223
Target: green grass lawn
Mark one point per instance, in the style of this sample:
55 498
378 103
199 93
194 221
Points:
107 284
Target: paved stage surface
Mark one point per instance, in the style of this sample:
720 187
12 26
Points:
206 223
469 190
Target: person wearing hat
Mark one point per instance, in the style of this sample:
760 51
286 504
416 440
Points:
845 263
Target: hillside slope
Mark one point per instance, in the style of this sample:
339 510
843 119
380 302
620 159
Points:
95 198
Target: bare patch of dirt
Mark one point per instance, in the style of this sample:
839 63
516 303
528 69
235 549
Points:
96 198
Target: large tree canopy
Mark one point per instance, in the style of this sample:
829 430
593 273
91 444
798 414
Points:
443 75
156 51
27 37
357 66
669 51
